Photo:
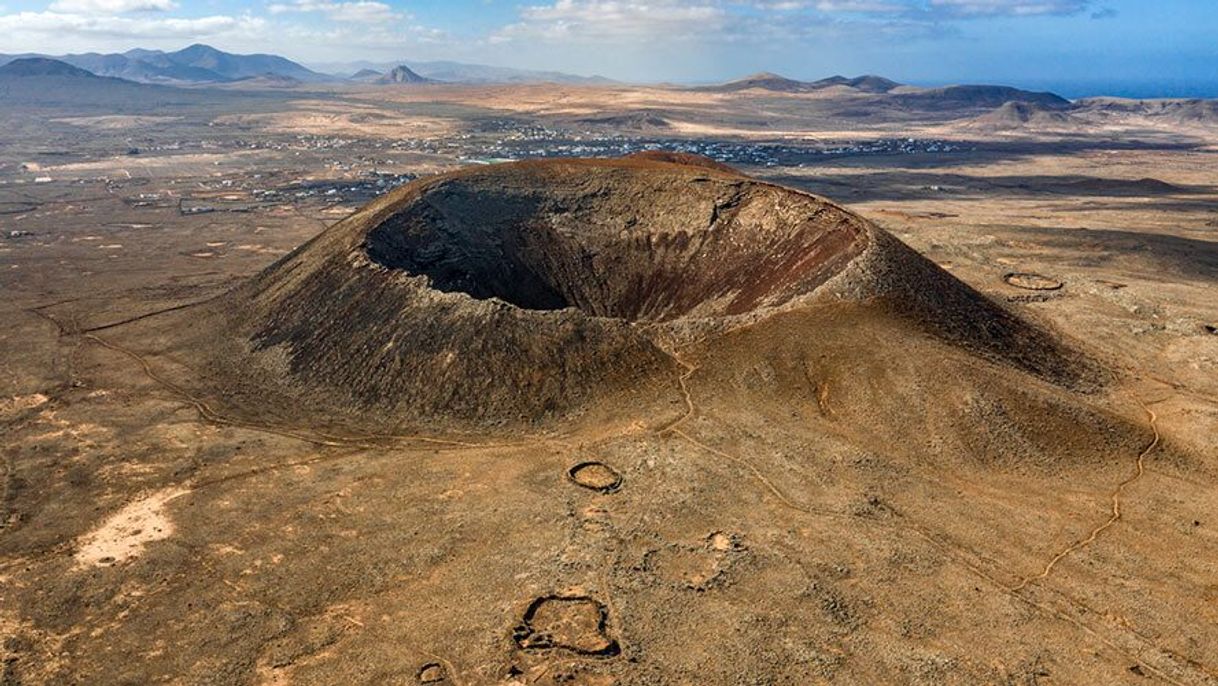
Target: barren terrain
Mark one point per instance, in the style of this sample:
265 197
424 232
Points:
1013 484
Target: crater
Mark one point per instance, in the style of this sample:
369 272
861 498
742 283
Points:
615 242
539 291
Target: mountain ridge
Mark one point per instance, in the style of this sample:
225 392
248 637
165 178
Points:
867 83
45 82
197 63
463 72
43 66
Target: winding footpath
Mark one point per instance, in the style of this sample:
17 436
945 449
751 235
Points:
1116 497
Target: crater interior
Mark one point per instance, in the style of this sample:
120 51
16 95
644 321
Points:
616 243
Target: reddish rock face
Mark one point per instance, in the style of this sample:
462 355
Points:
638 240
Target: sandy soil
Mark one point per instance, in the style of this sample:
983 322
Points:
123 536
800 505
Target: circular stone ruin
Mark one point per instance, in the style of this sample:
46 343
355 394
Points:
1032 282
576 624
595 476
432 673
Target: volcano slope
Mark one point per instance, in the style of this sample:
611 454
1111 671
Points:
522 293
640 421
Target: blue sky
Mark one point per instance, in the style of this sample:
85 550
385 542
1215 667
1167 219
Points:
1092 44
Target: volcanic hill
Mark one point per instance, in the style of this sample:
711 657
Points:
1016 115
963 98
531 291
402 75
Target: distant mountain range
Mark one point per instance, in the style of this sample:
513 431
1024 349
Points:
924 99
150 76
195 64
1179 111
43 67
203 64
774 82
460 72
45 82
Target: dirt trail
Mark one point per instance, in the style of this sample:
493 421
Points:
147 315
1115 497
368 441
1157 660
211 415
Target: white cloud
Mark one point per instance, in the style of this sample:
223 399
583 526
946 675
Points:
338 30
358 12
112 6
618 14
641 20
37 30
760 22
928 10
765 23
1012 8
396 41
861 6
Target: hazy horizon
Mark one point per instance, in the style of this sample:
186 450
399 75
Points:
1068 89
1076 47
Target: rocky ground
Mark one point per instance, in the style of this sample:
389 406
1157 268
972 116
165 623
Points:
835 494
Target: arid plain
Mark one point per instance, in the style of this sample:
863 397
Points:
845 492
